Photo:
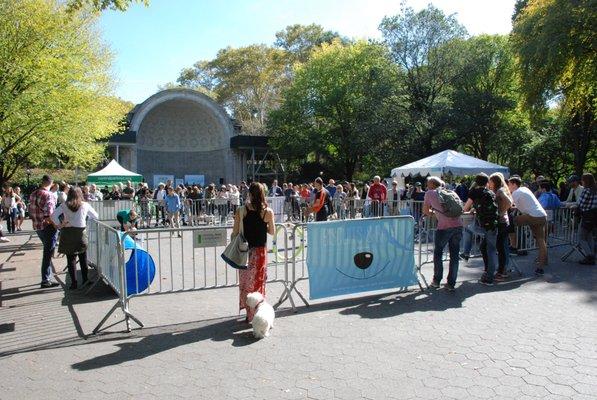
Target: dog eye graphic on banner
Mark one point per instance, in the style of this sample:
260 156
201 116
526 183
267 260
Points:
363 267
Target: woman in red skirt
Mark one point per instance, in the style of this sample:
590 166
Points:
258 221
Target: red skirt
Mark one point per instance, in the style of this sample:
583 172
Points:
253 278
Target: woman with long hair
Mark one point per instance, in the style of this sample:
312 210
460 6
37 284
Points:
73 238
258 221
587 204
9 204
503 199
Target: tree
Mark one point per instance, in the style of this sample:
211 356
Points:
545 155
55 93
247 81
556 46
338 109
300 40
418 44
100 5
484 95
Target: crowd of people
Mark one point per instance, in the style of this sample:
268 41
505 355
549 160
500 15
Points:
498 204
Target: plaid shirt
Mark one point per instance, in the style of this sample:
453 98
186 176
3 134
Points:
41 206
587 200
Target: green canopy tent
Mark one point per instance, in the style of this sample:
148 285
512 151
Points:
112 174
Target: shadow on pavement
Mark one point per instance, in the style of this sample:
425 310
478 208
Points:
160 339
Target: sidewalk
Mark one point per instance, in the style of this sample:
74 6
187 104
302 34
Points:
527 338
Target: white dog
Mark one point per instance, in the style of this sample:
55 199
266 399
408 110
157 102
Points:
263 320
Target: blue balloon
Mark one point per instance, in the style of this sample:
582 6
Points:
138 282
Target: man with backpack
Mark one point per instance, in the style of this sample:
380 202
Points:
447 207
485 224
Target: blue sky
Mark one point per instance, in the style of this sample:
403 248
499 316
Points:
152 44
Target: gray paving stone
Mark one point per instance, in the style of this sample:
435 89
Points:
528 339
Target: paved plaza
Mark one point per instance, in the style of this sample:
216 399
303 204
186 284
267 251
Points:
528 338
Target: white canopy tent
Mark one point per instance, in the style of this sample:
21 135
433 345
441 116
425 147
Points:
449 162
113 173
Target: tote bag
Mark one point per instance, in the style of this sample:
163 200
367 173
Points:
236 253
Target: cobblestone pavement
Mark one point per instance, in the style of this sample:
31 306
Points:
529 338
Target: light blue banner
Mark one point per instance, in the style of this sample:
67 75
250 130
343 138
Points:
354 256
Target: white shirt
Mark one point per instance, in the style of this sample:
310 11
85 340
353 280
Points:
60 197
526 202
235 198
9 202
96 196
577 192
74 219
160 195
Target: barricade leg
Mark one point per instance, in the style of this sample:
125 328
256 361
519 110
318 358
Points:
103 321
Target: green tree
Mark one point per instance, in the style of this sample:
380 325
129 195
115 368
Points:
247 81
300 40
100 5
55 87
555 41
484 95
338 109
418 43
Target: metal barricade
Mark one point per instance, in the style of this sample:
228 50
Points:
107 209
188 259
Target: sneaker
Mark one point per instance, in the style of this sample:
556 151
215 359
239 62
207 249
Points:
464 257
501 276
449 288
522 253
539 271
485 281
49 284
434 284
4 239
587 261
513 250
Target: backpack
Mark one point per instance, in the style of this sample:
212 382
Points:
487 210
328 202
451 203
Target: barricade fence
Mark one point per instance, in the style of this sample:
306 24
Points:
153 213
188 258
561 229
185 259
107 209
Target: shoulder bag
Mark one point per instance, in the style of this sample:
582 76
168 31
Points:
236 253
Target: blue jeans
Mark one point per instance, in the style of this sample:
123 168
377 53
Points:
491 243
48 237
451 237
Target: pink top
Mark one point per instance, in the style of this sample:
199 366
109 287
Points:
443 222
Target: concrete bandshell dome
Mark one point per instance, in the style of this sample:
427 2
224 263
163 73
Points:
182 131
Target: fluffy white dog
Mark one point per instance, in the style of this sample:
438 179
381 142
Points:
263 320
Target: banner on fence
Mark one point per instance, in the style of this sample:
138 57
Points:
354 256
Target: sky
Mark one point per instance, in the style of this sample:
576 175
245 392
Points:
151 45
